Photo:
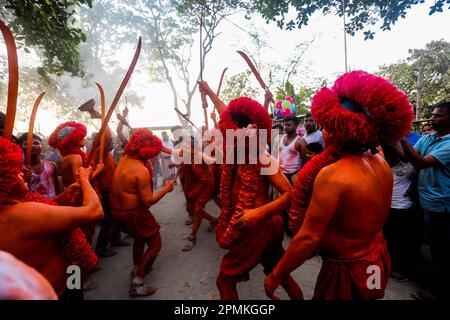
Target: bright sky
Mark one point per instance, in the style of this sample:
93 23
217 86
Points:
324 58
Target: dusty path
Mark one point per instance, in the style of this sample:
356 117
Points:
191 275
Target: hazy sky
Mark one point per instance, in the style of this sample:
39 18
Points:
323 59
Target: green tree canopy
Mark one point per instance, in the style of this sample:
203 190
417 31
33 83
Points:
435 61
362 14
49 27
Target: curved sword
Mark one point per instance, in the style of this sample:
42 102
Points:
221 80
102 110
187 119
116 100
255 72
13 80
31 128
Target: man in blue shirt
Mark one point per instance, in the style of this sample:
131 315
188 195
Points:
431 155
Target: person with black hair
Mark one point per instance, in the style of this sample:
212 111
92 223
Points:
426 129
278 127
2 128
291 149
40 174
431 157
403 228
313 134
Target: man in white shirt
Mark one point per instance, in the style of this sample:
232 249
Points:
312 133
403 228
291 149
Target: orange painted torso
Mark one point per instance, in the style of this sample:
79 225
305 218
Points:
42 253
66 169
125 189
366 191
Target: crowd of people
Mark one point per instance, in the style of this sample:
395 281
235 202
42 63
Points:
353 183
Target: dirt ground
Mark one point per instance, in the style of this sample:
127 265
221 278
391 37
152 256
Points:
192 275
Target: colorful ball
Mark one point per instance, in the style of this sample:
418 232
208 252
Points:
286 112
290 99
293 107
286 104
278 104
277 113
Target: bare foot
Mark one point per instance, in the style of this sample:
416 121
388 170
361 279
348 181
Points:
141 290
190 242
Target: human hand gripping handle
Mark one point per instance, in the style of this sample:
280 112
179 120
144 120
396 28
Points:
169 186
27 174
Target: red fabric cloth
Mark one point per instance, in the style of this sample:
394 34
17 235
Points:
199 182
347 279
139 222
262 244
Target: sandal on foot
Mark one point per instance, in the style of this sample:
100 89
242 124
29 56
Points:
141 290
190 242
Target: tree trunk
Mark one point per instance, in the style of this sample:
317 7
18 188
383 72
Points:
419 104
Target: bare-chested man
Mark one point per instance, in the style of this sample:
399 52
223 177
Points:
69 138
199 187
342 196
29 230
250 226
109 230
131 198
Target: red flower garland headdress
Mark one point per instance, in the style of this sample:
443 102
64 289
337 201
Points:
360 108
67 137
226 235
143 145
10 166
250 108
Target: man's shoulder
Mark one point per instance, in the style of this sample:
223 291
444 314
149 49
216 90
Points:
9 212
426 140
